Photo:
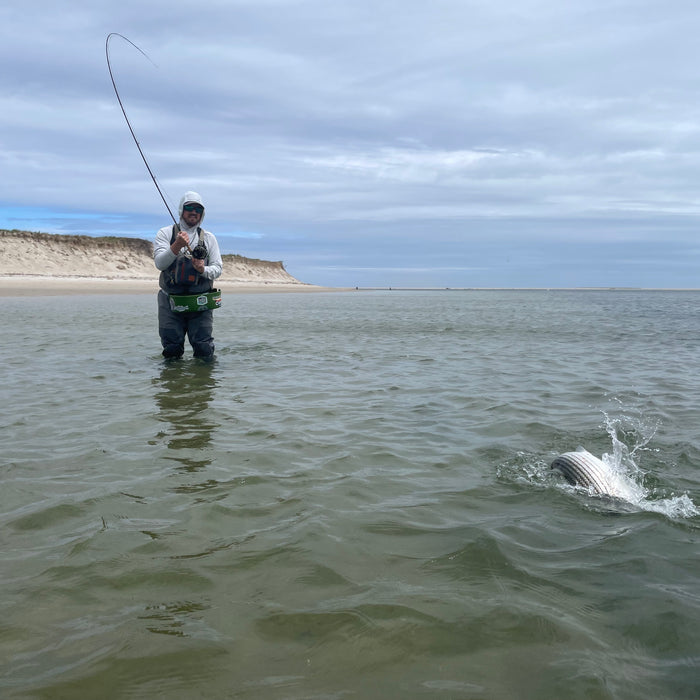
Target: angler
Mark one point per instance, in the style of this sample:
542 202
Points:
186 297
189 260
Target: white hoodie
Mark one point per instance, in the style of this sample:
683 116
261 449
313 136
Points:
164 257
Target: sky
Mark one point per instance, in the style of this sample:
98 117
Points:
370 143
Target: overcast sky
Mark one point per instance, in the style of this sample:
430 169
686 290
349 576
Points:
455 143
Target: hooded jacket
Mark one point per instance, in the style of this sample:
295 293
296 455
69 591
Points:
178 275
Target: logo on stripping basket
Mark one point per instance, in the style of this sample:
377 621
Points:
182 303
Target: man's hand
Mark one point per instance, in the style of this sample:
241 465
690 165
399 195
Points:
182 241
198 265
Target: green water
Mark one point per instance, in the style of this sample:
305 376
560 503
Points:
353 501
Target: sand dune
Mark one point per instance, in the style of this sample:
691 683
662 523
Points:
55 255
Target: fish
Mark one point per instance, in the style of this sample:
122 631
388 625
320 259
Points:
581 468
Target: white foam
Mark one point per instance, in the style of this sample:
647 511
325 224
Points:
624 474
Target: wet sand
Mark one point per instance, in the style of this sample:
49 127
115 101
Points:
31 285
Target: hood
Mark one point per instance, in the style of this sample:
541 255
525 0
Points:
191 198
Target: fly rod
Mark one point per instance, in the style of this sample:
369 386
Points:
128 123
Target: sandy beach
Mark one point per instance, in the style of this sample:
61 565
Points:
35 285
56 264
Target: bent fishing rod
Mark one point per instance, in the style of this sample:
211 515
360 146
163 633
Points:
128 123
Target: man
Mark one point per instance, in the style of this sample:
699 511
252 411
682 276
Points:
183 272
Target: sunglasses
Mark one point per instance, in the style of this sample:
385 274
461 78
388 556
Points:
193 207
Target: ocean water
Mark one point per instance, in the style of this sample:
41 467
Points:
353 501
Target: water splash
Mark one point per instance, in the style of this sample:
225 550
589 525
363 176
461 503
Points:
630 437
637 430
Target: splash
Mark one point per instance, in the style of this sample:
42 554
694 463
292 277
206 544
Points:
630 437
638 431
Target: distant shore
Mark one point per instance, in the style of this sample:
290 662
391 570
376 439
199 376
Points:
528 289
36 285
55 264
44 285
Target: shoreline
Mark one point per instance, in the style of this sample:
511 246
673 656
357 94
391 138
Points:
528 289
65 285
42 285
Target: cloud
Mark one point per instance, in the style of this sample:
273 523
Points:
337 129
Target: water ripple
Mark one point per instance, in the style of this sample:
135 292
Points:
354 500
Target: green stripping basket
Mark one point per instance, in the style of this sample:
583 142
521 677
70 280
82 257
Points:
182 303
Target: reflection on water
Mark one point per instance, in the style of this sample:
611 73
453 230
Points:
185 390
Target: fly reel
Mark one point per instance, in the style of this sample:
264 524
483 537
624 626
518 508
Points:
199 252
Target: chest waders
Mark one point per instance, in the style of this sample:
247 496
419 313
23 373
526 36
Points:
186 288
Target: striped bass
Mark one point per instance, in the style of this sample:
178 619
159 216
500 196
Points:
581 468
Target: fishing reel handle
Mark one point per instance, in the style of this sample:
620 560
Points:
182 238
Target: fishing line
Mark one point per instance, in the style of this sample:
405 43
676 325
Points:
128 123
